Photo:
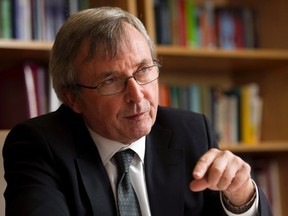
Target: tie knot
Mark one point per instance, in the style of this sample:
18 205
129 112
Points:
123 160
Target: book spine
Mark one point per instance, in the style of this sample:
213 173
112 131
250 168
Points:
6 19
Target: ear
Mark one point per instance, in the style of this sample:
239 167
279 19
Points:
71 101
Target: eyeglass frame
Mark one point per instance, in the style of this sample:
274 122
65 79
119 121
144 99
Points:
124 80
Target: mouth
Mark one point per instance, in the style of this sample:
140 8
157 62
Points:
135 116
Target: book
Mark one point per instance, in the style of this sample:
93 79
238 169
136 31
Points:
225 26
49 20
23 93
226 115
6 19
251 114
239 34
60 14
191 23
162 22
184 97
30 77
173 11
175 96
194 98
164 95
73 6
14 97
41 79
250 36
207 25
182 26
235 94
206 100
22 19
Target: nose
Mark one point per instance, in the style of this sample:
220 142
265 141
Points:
133 91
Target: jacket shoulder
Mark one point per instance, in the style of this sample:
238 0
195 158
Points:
167 116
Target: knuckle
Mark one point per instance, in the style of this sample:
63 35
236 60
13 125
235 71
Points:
227 153
203 159
216 170
227 177
247 168
214 150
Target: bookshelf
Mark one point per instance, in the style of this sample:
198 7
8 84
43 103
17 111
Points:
26 50
266 65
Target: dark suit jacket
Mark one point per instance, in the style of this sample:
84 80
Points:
52 167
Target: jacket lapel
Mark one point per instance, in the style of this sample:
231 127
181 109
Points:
164 168
97 187
94 177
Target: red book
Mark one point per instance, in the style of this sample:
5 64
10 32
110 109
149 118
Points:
18 96
164 95
239 35
182 23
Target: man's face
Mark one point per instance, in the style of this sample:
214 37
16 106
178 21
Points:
130 114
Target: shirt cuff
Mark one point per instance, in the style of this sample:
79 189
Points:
252 211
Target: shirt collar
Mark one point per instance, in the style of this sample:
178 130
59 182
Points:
107 148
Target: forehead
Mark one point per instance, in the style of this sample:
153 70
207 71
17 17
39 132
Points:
130 41
130 53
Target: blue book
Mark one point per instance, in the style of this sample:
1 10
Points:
194 98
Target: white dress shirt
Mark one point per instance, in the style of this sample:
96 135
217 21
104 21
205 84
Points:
107 148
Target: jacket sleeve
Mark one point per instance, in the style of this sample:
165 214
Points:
33 186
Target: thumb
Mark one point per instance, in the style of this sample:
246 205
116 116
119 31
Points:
199 185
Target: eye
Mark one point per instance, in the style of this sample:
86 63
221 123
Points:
143 69
110 81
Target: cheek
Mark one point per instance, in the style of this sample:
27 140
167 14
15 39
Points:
100 117
154 94
95 110
103 111
153 98
107 112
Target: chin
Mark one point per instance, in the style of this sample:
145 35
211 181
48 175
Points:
140 133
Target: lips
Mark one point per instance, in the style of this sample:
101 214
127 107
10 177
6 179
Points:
138 115
136 111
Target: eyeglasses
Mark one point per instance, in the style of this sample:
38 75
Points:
114 85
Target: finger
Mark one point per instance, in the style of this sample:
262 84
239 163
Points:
204 163
223 170
217 169
199 185
241 177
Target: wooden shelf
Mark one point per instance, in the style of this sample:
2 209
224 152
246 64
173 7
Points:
265 147
187 59
25 45
33 50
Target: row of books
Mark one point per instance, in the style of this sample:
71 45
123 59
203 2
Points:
35 19
182 22
25 92
235 113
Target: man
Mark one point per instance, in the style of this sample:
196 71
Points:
104 68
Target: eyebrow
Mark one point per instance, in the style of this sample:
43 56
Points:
113 72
